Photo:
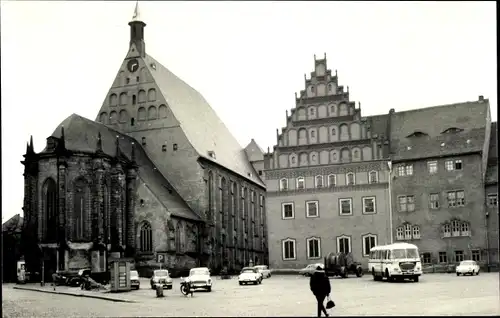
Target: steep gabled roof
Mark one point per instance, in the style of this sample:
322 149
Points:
81 134
254 152
13 225
469 119
201 125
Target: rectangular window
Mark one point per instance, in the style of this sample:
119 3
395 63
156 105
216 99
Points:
426 258
416 232
312 209
492 200
452 165
449 165
443 257
284 184
287 210
446 230
288 250
301 183
406 203
343 244
313 248
369 242
373 177
434 201
456 198
476 255
350 179
369 205
432 167
401 170
319 181
459 256
407 232
332 180
409 170
400 234
345 206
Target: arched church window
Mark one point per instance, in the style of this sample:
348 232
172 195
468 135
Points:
134 99
146 237
80 210
151 95
210 194
50 209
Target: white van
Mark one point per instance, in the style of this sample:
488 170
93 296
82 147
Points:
395 262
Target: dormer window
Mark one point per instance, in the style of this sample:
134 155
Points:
174 147
417 134
143 141
164 148
452 130
312 89
211 154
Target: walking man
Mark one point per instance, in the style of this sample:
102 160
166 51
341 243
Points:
320 287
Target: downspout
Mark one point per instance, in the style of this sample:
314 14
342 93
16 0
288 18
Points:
389 164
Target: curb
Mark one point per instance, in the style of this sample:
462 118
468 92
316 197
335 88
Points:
75 295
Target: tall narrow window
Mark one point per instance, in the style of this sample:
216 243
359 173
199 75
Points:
373 177
301 183
344 244
400 233
350 179
313 248
446 230
50 209
284 184
146 237
319 181
210 195
80 205
455 228
407 232
332 180
369 242
288 249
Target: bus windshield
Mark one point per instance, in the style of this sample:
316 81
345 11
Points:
404 253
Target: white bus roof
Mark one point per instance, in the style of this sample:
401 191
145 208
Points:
393 246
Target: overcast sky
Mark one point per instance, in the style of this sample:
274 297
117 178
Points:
246 58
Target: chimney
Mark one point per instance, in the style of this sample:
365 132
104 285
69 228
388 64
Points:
481 98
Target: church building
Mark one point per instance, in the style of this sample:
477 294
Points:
157 177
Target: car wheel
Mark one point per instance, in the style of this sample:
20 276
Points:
209 289
477 273
415 279
472 274
458 274
169 287
240 283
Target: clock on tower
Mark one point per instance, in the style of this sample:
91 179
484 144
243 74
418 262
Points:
133 65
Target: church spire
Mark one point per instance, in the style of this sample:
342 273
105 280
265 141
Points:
137 31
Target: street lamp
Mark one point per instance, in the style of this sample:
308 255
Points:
389 165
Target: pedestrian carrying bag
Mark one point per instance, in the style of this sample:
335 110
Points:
330 304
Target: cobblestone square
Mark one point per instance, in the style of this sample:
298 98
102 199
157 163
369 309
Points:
435 294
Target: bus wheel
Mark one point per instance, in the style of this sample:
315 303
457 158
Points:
389 278
415 279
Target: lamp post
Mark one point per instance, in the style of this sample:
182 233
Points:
389 165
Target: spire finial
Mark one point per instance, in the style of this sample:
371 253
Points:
31 144
137 13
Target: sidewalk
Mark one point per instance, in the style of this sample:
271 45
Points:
75 291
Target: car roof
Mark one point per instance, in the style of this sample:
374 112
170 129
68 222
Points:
205 268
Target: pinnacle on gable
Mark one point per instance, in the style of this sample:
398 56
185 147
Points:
136 17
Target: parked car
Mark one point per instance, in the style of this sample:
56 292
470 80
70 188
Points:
264 270
309 269
249 275
161 276
134 280
467 267
199 277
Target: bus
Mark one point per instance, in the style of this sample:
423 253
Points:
395 262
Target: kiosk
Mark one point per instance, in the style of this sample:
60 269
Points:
120 274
